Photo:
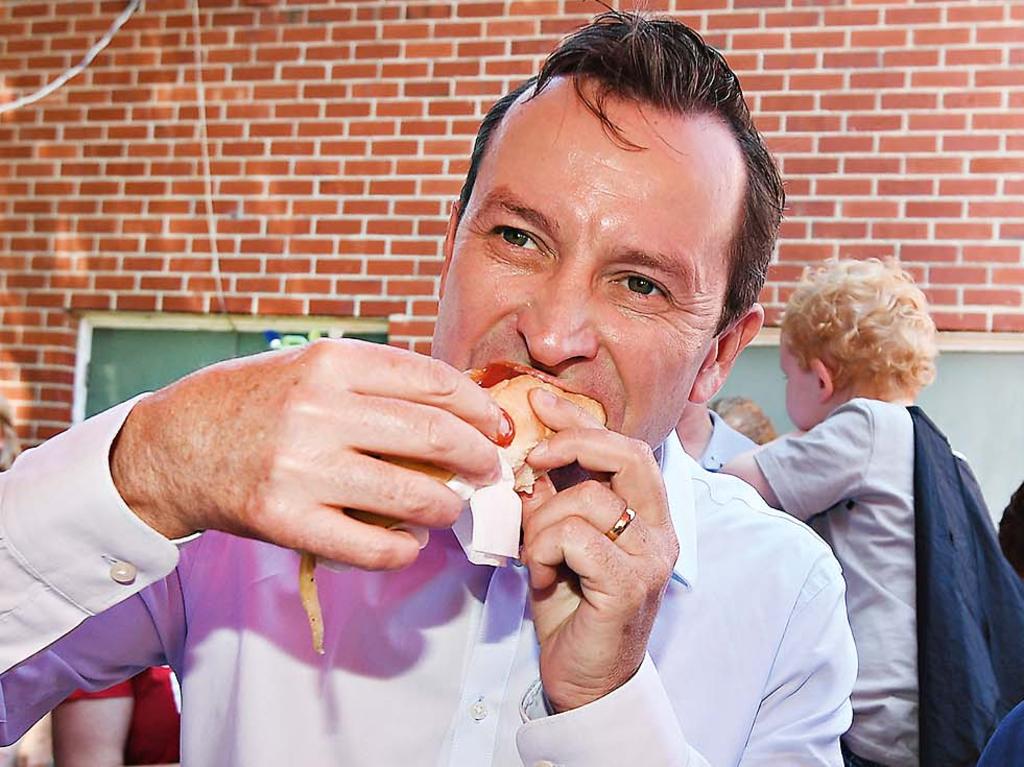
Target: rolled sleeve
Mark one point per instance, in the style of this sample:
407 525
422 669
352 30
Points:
634 724
69 545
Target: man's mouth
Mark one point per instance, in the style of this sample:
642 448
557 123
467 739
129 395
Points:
495 372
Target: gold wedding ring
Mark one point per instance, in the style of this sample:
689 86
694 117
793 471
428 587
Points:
621 524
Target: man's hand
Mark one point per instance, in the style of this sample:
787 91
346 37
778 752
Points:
275 446
594 601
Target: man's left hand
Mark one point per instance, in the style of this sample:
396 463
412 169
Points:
594 600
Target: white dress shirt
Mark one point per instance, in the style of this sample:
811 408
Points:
750 662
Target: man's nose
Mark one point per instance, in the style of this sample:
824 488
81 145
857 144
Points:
557 323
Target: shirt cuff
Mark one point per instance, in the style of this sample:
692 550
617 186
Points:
64 523
634 724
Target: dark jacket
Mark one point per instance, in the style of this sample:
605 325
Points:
970 608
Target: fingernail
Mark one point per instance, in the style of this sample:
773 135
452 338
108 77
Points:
539 449
544 398
506 430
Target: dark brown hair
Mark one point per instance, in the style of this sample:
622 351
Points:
664 64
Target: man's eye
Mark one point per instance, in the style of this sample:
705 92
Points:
640 285
515 237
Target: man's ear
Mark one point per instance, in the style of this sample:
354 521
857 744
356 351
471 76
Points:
449 244
826 385
723 353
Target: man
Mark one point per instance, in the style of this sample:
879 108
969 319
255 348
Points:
708 439
612 231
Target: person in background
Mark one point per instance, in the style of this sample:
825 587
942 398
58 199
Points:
1006 748
746 417
132 723
1011 531
857 347
34 749
708 438
10 446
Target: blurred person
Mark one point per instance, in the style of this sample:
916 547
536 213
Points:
613 233
34 749
131 723
746 417
1011 531
903 514
10 446
708 438
1006 748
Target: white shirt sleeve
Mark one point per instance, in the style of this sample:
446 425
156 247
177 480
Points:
805 709
69 545
634 724
807 705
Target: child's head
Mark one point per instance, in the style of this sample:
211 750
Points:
863 325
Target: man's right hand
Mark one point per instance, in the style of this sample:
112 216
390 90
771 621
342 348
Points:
275 446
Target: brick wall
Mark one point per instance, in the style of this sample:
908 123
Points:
339 132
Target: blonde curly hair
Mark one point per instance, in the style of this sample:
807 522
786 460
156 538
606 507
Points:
868 322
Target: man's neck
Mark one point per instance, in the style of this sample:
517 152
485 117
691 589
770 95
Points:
694 430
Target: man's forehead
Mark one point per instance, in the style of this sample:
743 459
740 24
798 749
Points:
632 125
684 174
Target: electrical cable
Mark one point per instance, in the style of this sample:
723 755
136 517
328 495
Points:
129 10
204 144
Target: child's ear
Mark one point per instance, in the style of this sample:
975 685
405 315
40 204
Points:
826 386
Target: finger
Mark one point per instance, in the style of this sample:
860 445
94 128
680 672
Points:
595 504
372 485
635 474
389 372
574 543
558 413
330 534
425 433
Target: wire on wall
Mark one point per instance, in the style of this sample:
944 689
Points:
129 10
204 144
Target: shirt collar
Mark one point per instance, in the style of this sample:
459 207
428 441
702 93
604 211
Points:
677 469
724 444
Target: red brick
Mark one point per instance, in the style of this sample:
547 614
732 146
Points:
1008 323
963 231
992 297
992 253
1008 276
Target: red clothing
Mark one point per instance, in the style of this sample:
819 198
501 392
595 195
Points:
154 733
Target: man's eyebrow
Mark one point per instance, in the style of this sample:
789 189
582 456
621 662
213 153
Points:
676 266
506 201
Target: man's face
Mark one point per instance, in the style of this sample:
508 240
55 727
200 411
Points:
602 265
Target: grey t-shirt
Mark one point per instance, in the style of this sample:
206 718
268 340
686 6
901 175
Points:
851 478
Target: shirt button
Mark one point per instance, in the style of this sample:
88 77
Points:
123 573
478 710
